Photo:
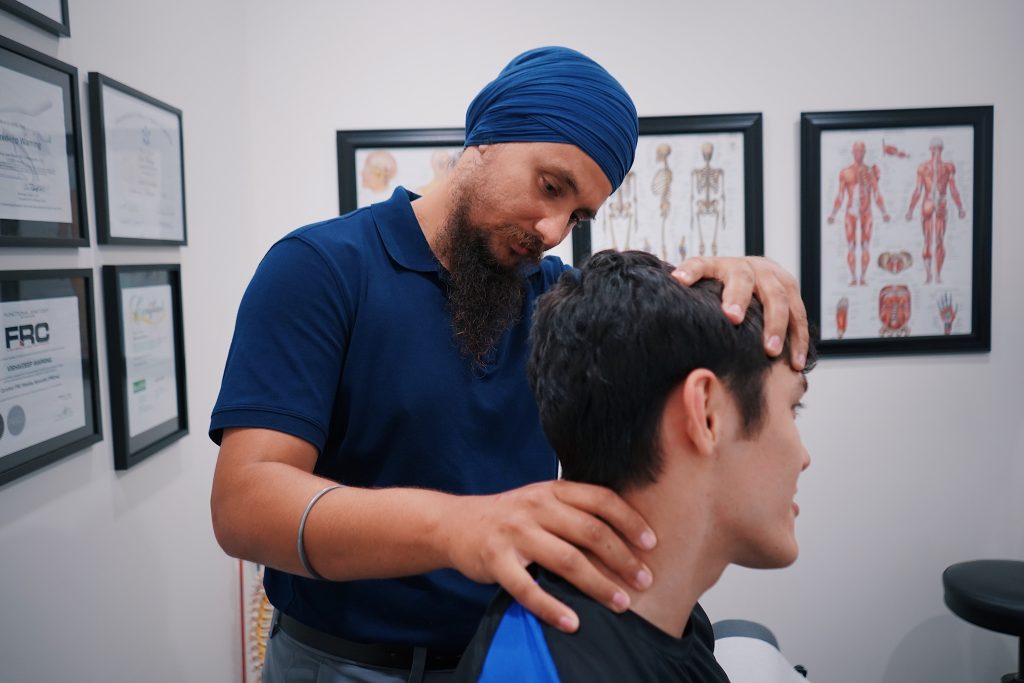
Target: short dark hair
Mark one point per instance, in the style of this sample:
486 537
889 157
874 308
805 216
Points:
611 341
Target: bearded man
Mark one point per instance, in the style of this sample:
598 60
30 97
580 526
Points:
380 450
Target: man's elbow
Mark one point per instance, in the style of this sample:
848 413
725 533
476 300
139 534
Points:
226 527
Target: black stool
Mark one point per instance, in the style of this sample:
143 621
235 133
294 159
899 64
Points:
990 594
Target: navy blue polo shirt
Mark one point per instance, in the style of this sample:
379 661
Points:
344 339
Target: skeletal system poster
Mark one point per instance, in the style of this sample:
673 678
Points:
684 196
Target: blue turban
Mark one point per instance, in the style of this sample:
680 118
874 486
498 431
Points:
554 94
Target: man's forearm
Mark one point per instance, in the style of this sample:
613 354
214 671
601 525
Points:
379 533
350 533
264 483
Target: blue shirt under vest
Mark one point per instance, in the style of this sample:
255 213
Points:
344 339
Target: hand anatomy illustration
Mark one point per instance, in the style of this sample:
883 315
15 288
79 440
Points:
661 186
934 178
707 206
947 312
858 183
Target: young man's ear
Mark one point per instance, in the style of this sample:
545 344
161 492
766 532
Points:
690 417
702 417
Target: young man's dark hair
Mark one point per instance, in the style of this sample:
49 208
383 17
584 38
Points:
612 340
644 386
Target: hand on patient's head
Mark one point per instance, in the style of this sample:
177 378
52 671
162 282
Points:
611 340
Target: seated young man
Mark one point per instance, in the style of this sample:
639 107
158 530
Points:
645 387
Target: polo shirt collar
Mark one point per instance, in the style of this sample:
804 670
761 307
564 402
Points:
403 237
401 233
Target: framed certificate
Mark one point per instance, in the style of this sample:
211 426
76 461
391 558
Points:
372 163
138 166
49 405
42 197
49 15
146 355
695 189
897 229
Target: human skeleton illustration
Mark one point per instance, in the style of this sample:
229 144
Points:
662 187
707 207
934 178
858 183
260 616
620 212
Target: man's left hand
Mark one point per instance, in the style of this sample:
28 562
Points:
775 288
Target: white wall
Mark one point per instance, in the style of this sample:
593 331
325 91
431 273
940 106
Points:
116 576
916 460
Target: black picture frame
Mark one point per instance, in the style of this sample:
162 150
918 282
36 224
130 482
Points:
901 149
39 383
135 440
17 142
352 142
58 26
147 142
652 128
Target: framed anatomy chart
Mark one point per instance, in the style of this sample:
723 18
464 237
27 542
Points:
897 229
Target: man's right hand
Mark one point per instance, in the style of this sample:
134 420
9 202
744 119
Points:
493 539
264 479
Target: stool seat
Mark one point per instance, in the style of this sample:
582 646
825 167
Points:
988 593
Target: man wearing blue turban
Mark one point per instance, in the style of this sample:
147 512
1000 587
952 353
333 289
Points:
555 94
381 452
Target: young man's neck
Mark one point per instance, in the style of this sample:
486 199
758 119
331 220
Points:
688 559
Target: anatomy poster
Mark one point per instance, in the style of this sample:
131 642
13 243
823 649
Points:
418 169
897 232
684 196
256 617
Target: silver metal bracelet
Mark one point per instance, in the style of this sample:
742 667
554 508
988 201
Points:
302 529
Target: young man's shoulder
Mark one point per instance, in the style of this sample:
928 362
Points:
512 645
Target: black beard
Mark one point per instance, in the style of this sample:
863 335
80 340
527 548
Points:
485 297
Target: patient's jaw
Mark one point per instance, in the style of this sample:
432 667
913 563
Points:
757 477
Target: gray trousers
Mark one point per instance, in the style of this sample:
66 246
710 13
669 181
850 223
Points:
289 661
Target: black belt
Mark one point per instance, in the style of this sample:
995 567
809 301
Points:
368 654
